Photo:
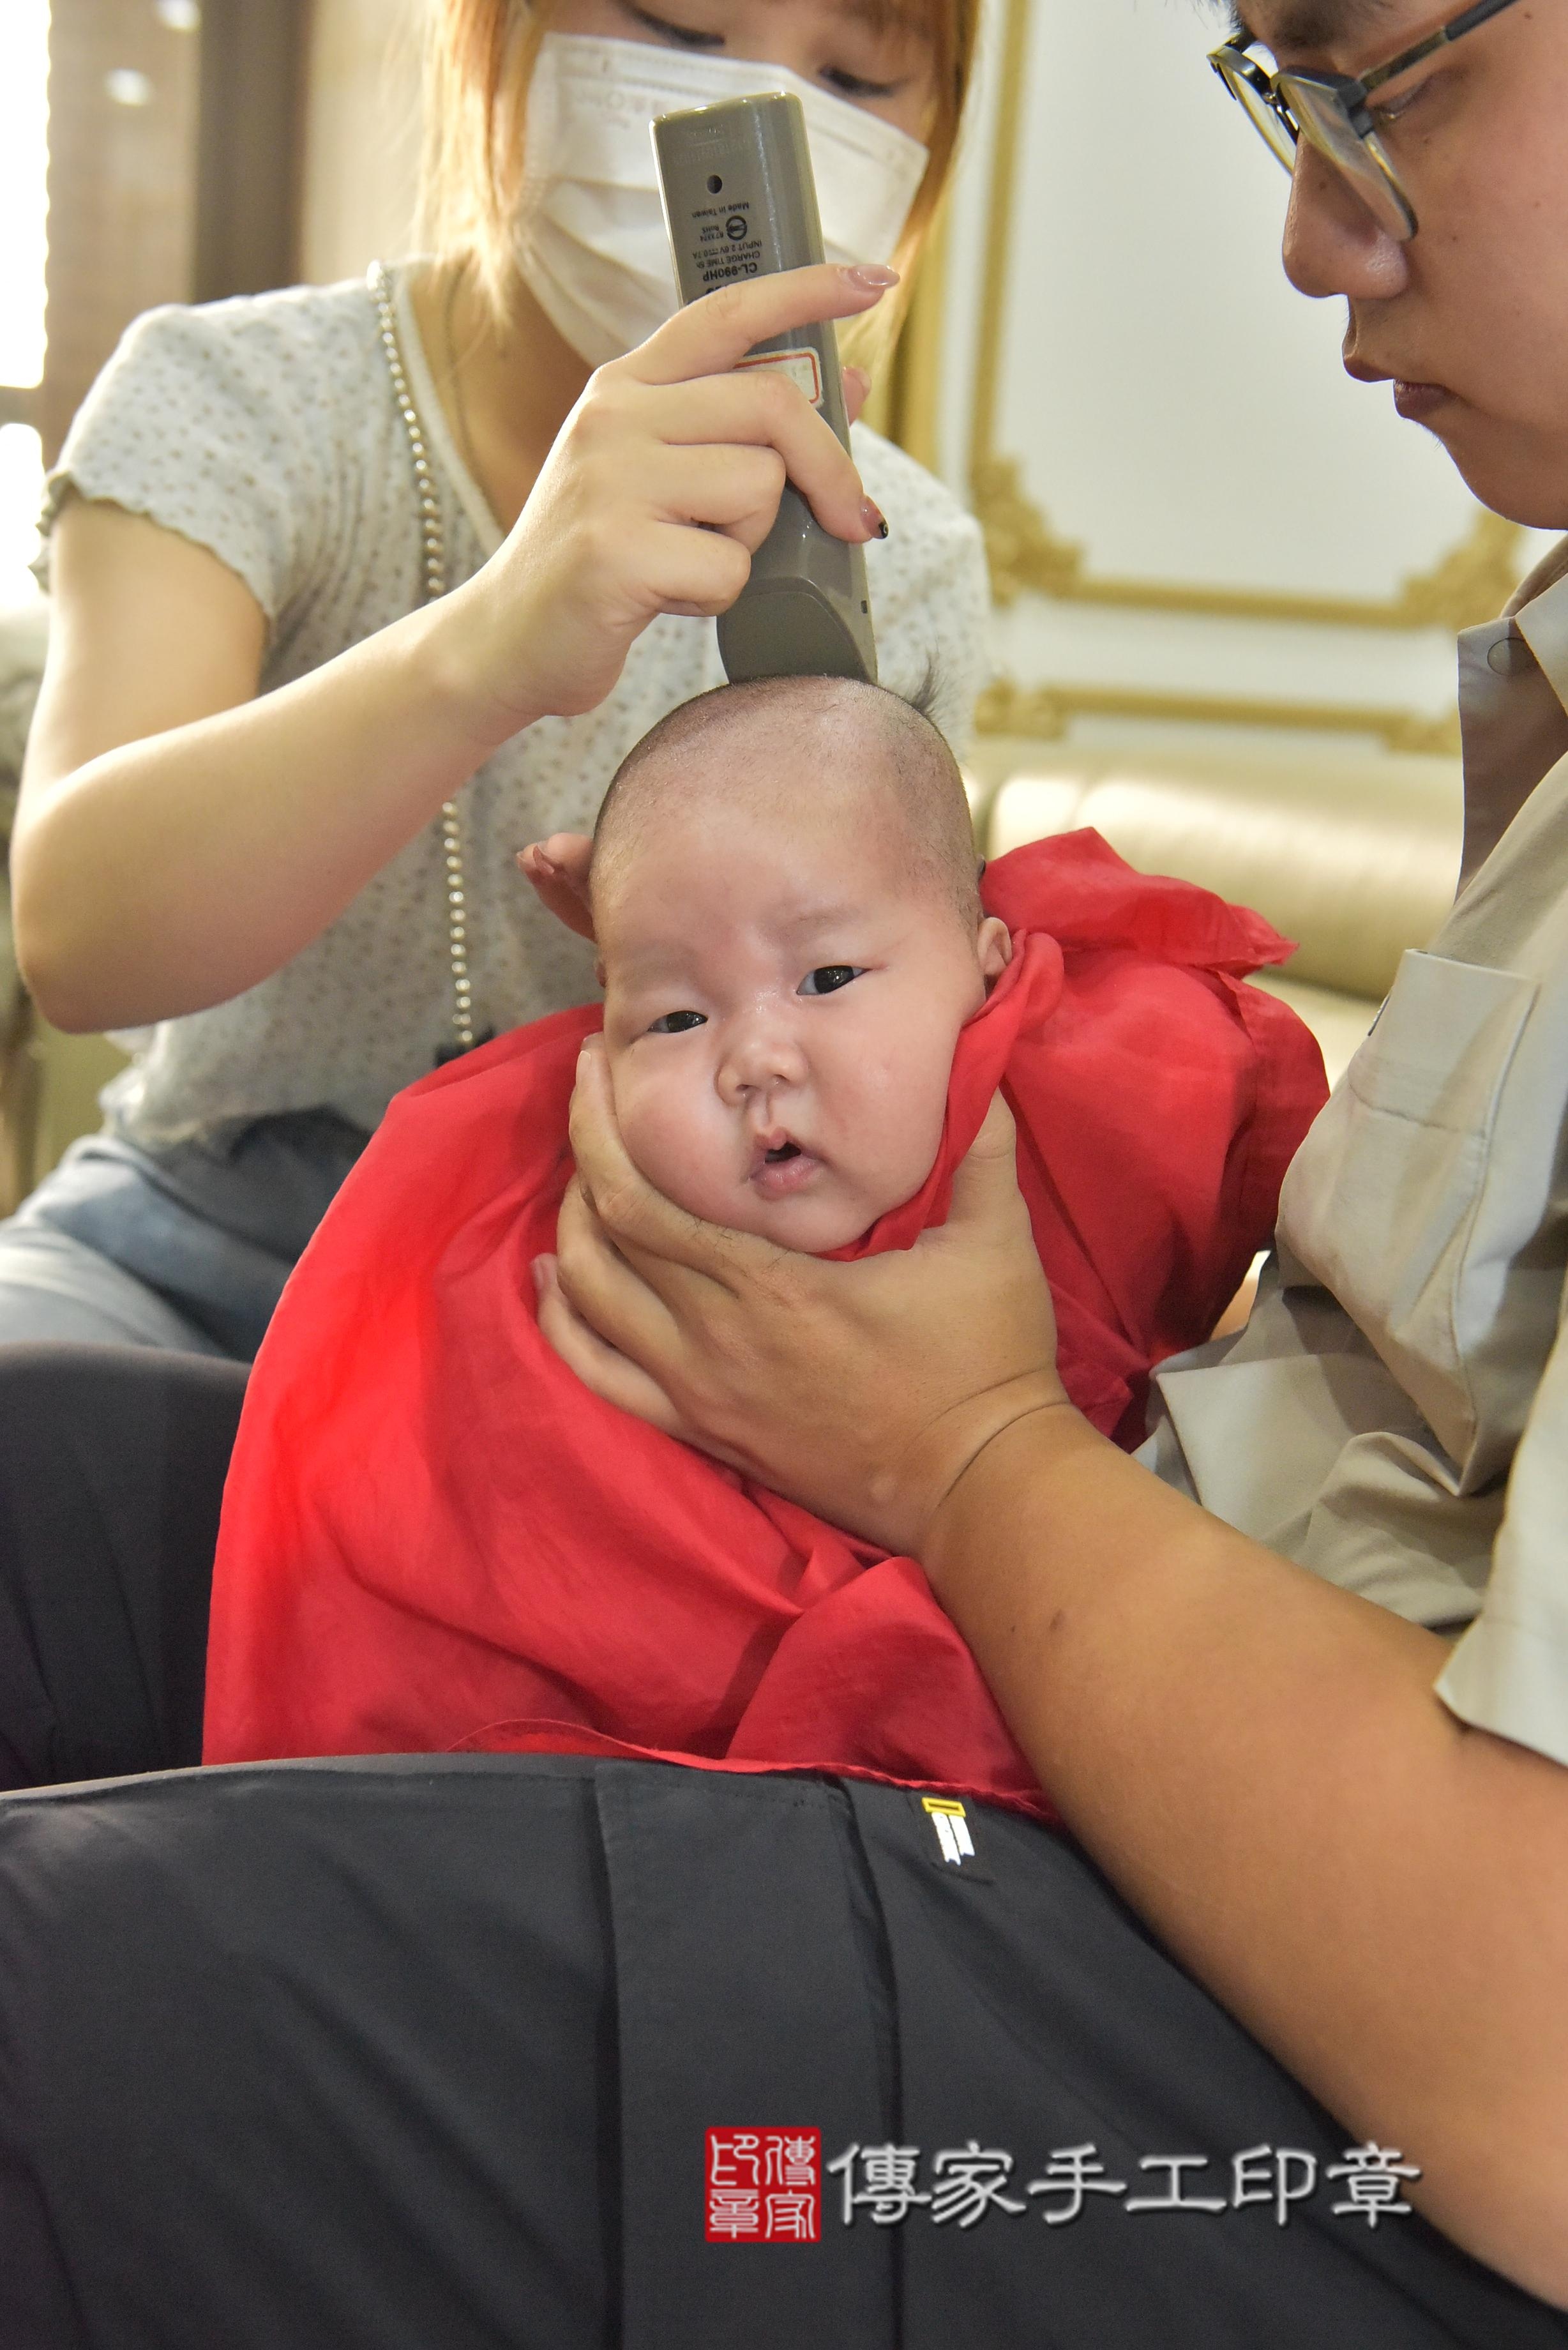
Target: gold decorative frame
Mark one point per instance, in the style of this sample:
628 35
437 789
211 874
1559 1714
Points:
1044 713
1468 583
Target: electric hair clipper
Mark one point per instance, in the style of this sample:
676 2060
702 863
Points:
740 201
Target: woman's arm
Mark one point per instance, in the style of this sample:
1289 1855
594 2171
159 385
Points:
179 837
1255 1756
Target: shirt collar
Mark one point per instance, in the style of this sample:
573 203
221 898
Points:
1513 705
1539 611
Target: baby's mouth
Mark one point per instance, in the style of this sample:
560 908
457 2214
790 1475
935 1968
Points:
781 1167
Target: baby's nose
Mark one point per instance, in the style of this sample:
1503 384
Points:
761 1055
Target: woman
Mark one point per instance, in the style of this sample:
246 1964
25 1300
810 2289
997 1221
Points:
326 567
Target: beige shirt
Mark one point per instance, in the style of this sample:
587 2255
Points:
1394 1415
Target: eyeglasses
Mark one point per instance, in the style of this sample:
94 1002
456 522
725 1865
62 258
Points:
1331 110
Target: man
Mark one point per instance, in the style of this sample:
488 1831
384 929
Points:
1354 1833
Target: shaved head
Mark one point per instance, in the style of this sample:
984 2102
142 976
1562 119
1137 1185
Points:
860 748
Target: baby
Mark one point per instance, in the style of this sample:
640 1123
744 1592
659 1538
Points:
435 1537
781 1016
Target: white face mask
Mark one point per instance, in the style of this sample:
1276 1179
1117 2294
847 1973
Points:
591 241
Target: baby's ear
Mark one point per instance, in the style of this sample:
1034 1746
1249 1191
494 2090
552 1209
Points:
558 870
994 946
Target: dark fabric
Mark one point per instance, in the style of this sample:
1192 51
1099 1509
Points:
112 1462
416 2052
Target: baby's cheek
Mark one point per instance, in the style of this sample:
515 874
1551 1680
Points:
666 1127
908 1151
897 1122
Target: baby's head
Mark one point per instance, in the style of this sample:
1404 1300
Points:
786 903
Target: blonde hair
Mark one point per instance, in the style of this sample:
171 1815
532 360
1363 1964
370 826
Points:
479 64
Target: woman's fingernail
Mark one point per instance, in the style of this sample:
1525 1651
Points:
537 1270
875 520
870 276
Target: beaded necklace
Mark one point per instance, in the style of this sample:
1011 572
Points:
435 582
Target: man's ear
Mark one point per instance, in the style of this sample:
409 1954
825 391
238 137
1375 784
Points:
994 945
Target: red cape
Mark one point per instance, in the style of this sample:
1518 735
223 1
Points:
435 1538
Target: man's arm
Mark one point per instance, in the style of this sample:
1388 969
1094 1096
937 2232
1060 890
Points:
1256 1758
1258 1761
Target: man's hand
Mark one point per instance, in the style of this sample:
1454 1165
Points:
864 1390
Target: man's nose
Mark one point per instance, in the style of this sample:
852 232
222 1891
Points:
1331 244
760 1054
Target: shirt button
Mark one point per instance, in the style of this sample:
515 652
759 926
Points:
1511 656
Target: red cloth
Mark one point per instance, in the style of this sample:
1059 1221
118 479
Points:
435 1537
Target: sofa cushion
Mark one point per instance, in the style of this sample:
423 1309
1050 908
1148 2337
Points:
1355 857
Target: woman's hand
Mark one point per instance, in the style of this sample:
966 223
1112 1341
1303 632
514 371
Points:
864 1390
557 869
664 480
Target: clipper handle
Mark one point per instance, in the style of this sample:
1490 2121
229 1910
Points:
740 201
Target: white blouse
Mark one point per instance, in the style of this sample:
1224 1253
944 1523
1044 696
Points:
265 429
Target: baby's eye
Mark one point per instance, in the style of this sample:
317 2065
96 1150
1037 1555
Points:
676 1023
828 978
